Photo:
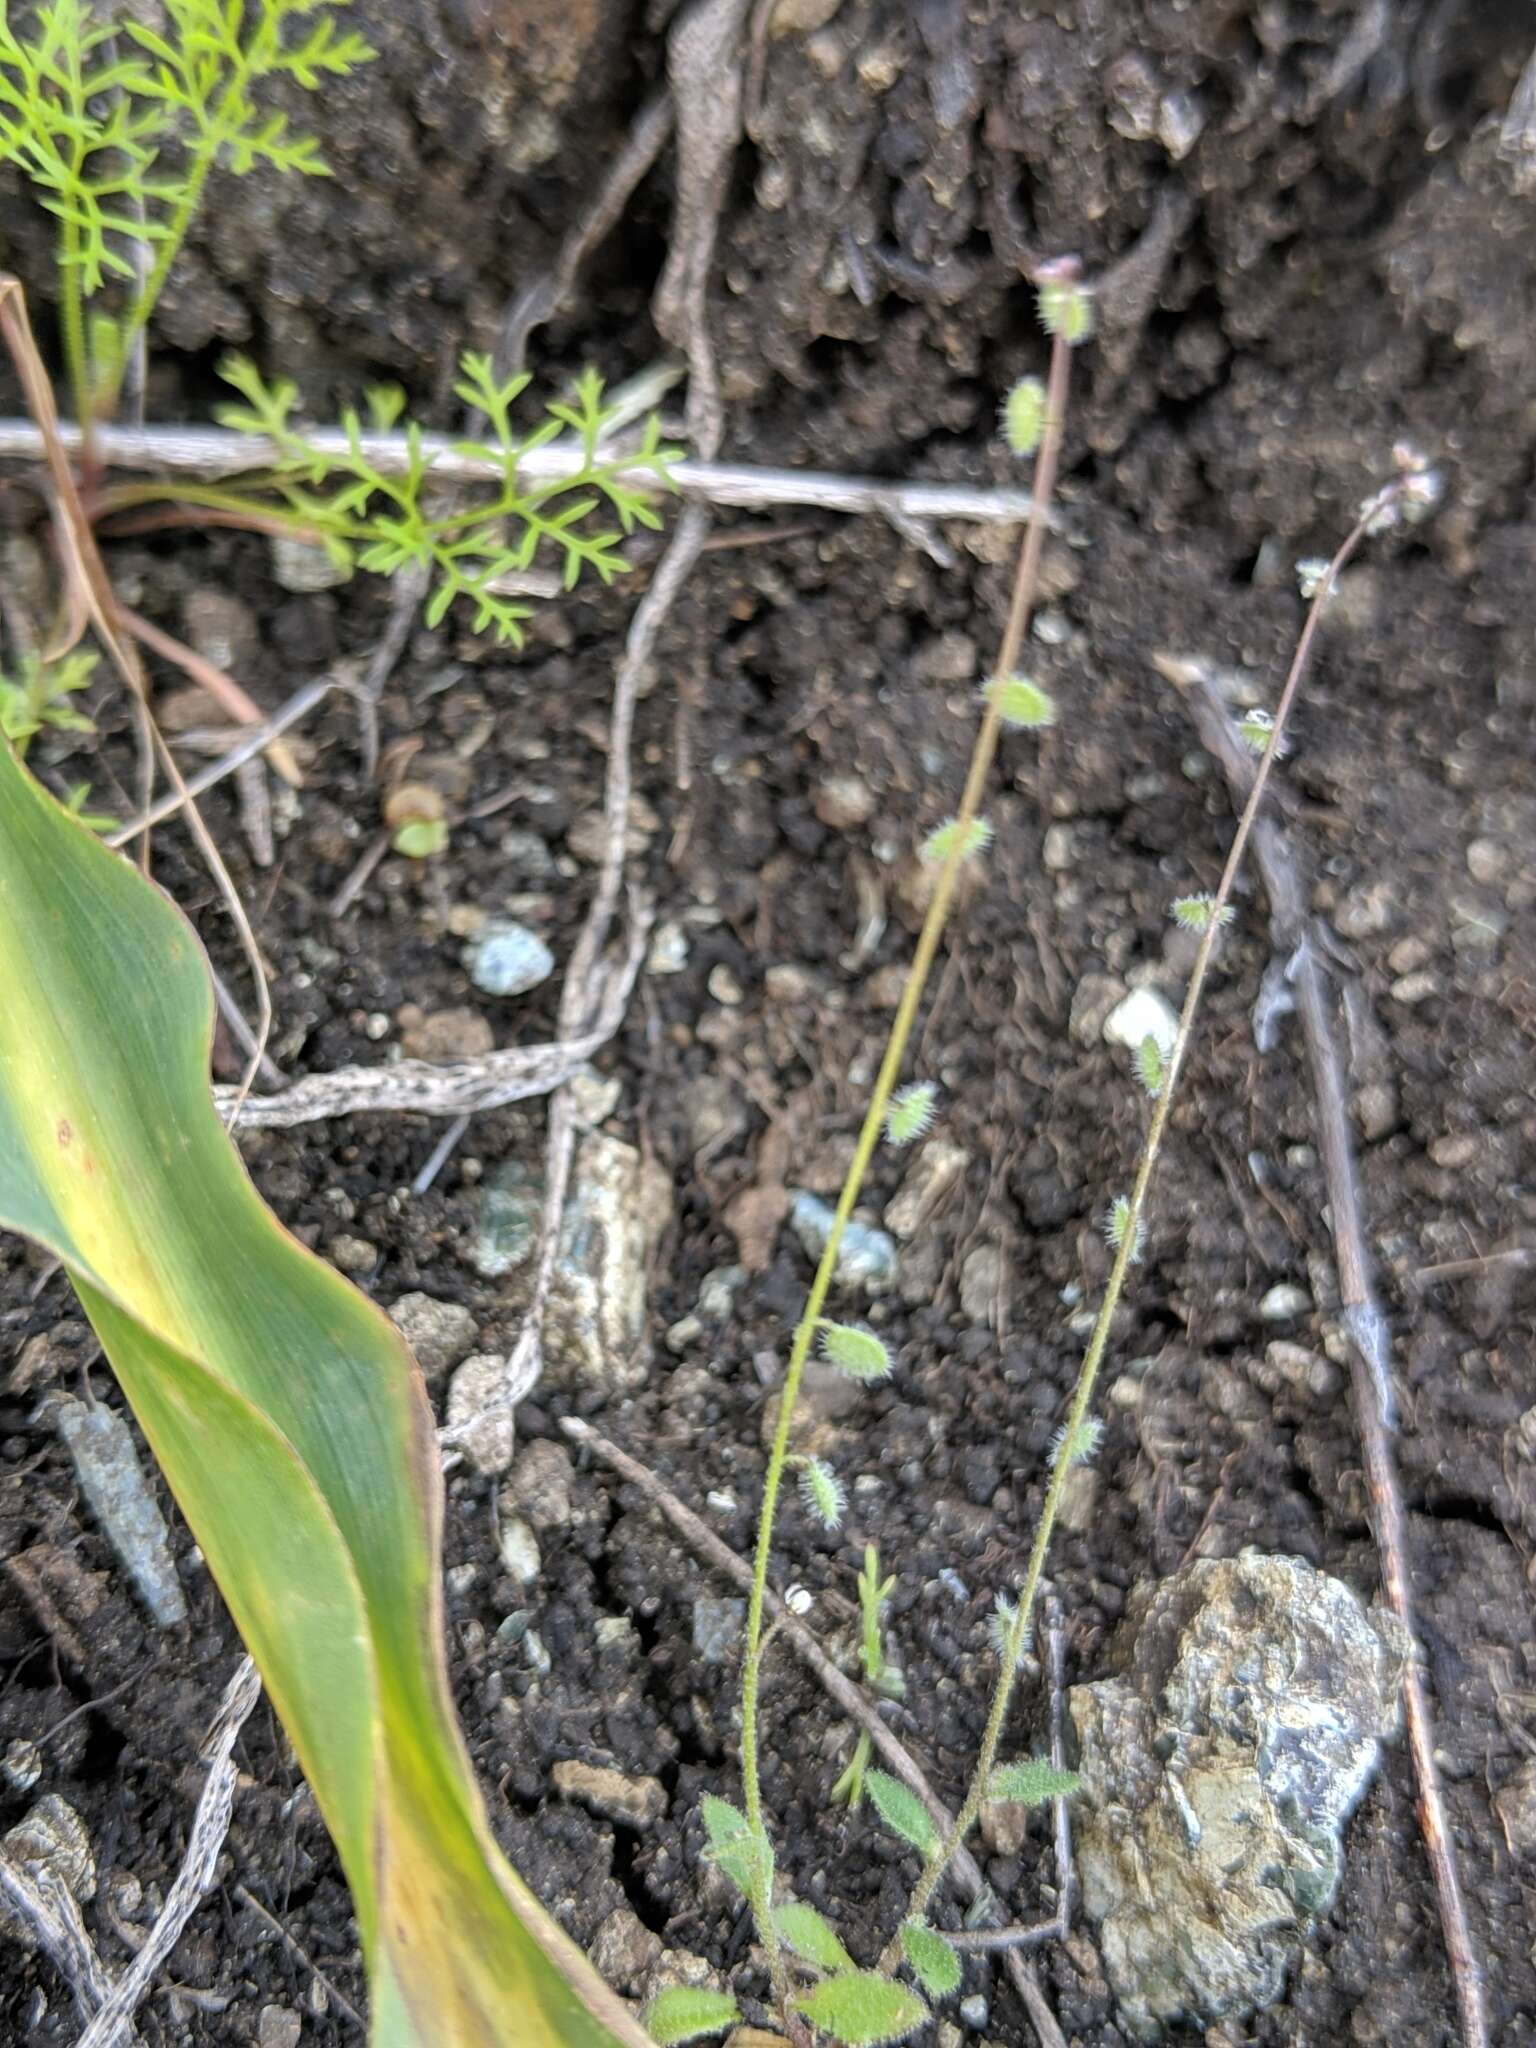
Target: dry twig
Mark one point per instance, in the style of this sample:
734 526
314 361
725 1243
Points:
1365 1329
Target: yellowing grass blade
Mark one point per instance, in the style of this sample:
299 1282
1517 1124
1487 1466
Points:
288 1418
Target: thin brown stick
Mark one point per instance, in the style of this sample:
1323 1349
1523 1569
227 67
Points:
702 1539
222 688
299 705
343 2005
1365 1330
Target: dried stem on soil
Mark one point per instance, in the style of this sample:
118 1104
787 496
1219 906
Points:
1365 1330
217 451
839 1687
1381 504
880 1097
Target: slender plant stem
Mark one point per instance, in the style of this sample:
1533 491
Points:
147 297
1082 1398
72 321
982 757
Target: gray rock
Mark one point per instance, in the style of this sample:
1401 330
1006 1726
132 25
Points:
718 1291
1515 1805
304 567
1218 1771
439 1333
717 1627
981 1282
636 1802
106 1462
935 1172
520 1554
504 958
623 1949
866 1258
539 1486
1143 1014
595 1321
52 1837
480 1420
278 2026
509 1221
1284 1302
1092 1002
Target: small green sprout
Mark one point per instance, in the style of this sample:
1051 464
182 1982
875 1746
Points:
911 1113
1021 702
1151 1066
879 1671
1024 416
76 797
40 695
939 844
855 1350
1198 913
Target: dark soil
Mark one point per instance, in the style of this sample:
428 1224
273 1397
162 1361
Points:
1340 260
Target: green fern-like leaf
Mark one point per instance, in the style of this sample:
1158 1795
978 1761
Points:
935 1964
863 2009
687 2013
811 1935
1032 1782
855 1351
902 1811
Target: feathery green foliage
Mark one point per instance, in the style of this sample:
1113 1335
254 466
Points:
822 1492
1151 1066
40 694
117 125
855 1351
368 519
911 1113
936 847
1195 913
1024 416
1022 703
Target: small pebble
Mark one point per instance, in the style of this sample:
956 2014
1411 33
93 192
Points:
439 1333
355 1255
843 803
22 1764
724 986
277 2026
1144 1014
447 1035
509 1221
866 1258
520 1552
106 1462
717 1627
304 568
973 2011
1415 988
668 950
636 1802
506 959
478 1415
1487 860
1058 851
1284 1303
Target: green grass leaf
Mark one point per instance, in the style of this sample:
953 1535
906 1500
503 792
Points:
902 1811
1032 1782
864 2009
935 1964
686 2014
811 1935
290 1423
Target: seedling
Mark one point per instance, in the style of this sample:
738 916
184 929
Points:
880 1673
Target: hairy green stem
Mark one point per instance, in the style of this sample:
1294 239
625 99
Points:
982 756
1082 1398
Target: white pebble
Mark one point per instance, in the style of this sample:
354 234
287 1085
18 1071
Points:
1143 1014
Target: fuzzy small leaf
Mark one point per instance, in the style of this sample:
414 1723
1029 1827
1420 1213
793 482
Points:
822 1492
1024 416
1196 913
1083 1445
911 1112
1032 1782
935 1964
1117 1224
745 1857
685 2013
855 1351
420 838
1022 703
938 846
864 2009
1066 309
1151 1066
811 1935
902 1811
1256 729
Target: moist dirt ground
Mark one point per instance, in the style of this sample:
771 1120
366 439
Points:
1313 241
